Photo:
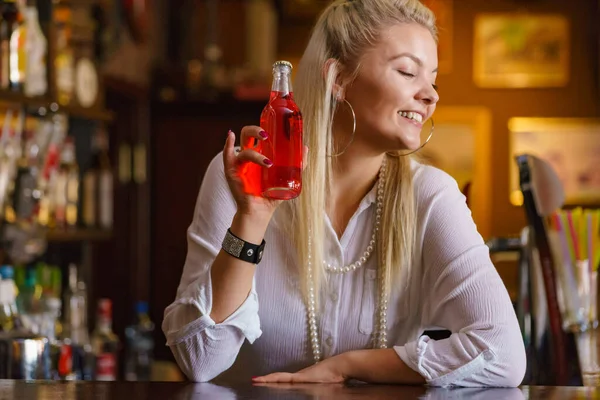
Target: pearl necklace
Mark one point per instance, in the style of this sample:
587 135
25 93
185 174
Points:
380 335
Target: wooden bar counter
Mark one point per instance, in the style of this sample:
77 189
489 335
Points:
42 390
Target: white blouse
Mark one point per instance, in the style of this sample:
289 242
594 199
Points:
453 286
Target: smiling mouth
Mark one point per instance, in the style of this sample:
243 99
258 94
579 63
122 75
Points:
413 116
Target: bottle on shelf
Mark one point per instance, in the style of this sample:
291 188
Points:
29 302
18 51
64 65
97 208
75 317
66 187
8 24
10 318
48 278
10 153
105 343
49 167
140 345
25 195
6 317
75 361
36 47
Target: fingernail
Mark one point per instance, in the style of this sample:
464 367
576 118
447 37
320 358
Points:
268 162
263 134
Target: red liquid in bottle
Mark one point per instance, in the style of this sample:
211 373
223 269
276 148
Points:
282 121
250 173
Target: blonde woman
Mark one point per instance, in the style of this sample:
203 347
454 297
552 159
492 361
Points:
376 249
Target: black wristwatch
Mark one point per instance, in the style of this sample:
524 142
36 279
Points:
241 249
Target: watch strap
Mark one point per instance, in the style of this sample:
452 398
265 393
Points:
241 249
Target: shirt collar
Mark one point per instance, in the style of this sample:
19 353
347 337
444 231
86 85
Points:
369 198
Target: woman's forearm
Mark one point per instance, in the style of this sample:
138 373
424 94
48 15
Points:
231 278
379 366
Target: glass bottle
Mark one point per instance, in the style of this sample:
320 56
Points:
140 345
97 208
281 119
18 51
64 65
105 343
8 24
35 49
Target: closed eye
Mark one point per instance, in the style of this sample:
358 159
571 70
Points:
435 87
408 75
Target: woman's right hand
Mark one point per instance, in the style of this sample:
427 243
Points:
248 204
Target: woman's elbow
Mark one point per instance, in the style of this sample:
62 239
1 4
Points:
191 367
513 365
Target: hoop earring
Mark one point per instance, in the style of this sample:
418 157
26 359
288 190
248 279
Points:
353 131
426 141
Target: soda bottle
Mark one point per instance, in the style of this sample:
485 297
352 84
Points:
281 119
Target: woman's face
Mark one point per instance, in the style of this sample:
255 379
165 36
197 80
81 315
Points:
394 92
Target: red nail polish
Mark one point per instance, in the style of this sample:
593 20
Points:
263 134
268 162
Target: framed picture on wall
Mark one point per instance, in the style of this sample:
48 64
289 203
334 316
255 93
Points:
461 146
521 50
570 145
443 10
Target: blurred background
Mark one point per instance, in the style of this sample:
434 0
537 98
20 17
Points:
111 111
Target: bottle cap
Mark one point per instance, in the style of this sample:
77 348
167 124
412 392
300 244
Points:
282 62
105 308
141 307
7 272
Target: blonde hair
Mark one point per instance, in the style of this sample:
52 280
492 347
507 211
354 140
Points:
343 31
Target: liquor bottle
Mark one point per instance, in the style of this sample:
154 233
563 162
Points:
64 65
29 302
18 51
10 319
50 165
140 345
25 195
35 50
281 119
74 360
98 186
8 24
6 318
105 343
66 187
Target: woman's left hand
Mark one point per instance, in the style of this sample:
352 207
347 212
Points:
330 370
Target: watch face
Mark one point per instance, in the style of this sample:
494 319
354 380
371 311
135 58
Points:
86 78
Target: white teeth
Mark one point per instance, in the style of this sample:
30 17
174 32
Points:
412 115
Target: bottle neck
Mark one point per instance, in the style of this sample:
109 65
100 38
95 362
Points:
104 324
282 83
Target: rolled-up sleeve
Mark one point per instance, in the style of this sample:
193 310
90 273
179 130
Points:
202 348
464 294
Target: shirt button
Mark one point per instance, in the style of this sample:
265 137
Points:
329 341
334 297
488 356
